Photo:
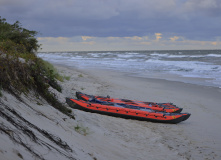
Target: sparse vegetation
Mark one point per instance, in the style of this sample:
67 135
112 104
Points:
67 77
52 71
80 75
21 70
82 130
20 156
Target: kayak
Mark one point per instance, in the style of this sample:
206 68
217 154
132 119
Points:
127 111
162 107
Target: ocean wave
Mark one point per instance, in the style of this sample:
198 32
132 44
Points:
160 54
190 64
214 55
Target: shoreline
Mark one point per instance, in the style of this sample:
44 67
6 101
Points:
196 138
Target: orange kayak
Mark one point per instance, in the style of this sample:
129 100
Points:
161 107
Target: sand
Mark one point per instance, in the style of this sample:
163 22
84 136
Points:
95 136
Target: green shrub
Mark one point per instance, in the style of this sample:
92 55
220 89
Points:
21 70
14 33
52 71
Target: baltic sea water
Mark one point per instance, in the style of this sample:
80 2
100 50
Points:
201 67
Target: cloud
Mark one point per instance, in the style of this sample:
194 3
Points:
89 43
158 36
86 37
145 43
119 20
136 38
209 7
53 40
124 43
77 9
214 43
174 38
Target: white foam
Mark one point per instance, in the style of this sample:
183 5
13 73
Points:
125 56
133 53
132 60
161 63
196 56
177 56
119 59
94 54
160 54
214 55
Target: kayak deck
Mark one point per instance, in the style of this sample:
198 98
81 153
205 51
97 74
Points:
163 107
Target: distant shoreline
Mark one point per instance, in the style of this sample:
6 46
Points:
130 50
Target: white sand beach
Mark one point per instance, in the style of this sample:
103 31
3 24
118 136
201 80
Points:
98 137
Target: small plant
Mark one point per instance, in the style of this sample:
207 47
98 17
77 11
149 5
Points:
19 155
82 130
80 75
38 103
77 128
67 77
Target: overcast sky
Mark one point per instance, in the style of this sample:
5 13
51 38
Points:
71 25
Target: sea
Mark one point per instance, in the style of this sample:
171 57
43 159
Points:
201 67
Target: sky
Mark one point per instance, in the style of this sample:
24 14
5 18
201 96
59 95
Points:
100 25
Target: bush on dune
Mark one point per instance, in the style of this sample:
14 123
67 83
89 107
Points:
20 69
14 37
